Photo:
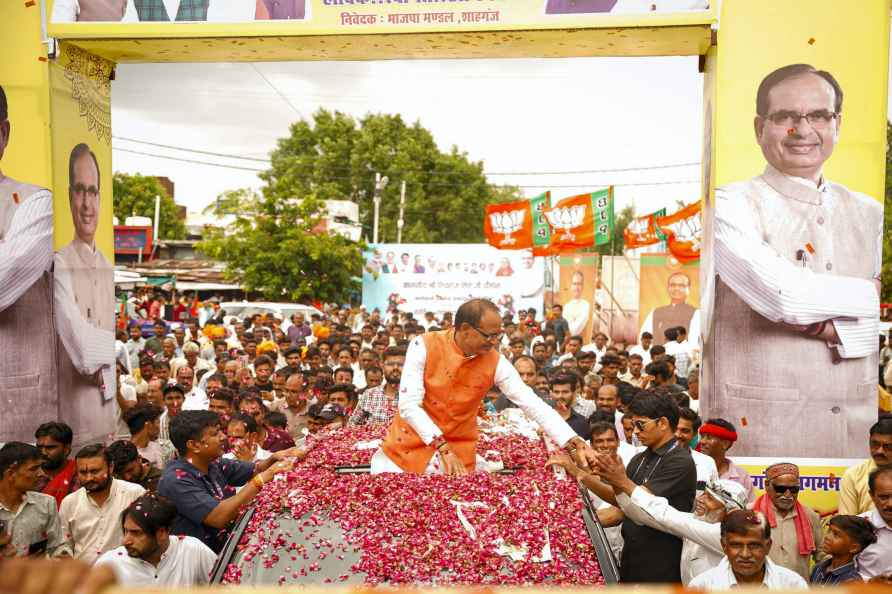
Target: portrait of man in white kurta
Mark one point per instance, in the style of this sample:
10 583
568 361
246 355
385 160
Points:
793 284
85 309
27 335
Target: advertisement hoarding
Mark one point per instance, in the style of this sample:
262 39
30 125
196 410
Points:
440 277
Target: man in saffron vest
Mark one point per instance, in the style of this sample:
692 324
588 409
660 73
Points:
445 377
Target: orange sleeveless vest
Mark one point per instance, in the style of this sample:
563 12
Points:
454 387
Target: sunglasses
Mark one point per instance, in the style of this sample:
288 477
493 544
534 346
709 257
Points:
640 425
781 489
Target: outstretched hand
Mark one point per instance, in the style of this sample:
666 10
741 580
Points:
611 468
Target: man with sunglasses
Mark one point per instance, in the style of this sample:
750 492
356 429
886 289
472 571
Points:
665 469
794 278
796 534
84 309
445 378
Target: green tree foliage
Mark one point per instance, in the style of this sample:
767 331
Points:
335 157
887 219
134 195
620 222
276 249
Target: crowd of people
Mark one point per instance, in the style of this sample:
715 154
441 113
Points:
211 409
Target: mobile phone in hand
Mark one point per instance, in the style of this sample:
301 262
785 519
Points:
38 548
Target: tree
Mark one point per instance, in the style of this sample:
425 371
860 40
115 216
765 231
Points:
620 222
275 248
134 195
886 294
335 157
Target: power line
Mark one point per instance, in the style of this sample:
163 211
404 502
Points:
189 150
182 160
278 92
488 173
440 185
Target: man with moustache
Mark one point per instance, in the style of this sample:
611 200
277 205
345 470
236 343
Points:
84 306
91 514
746 539
379 405
875 562
30 523
148 556
446 376
59 471
700 530
293 404
794 277
796 533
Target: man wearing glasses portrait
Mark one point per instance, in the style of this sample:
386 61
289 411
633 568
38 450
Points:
445 377
790 344
84 309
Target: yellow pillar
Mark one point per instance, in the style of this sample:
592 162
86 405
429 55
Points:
24 75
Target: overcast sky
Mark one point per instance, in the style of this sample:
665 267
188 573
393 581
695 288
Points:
530 115
514 115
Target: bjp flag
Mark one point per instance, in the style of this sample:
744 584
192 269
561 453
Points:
581 221
509 225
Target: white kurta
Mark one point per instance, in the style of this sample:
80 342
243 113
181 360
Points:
783 382
702 546
186 562
506 378
84 308
28 388
722 578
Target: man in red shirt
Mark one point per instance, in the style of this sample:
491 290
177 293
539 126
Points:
54 442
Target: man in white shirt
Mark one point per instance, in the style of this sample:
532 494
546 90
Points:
689 424
876 560
598 345
746 540
196 398
190 357
150 556
91 515
144 423
244 439
26 256
793 275
700 530
642 349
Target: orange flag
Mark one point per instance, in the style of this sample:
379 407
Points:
683 232
509 225
581 221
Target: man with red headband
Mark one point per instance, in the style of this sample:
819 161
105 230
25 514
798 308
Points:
716 438
796 534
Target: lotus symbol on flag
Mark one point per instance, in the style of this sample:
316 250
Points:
565 218
507 223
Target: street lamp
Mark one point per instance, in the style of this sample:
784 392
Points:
380 183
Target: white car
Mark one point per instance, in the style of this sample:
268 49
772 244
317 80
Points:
284 311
